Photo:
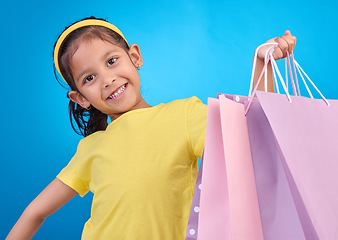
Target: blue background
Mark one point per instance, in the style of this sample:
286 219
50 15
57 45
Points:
189 48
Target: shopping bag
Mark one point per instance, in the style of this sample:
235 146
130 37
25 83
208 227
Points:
228 203
217 219
306 131
279 216
296 180
214 218
192 227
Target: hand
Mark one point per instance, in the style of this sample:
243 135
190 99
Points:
286 43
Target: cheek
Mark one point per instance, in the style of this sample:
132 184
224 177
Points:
137 85
134 78
92 94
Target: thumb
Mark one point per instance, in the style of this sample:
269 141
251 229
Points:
287 32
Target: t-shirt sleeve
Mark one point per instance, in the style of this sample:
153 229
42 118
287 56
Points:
196 118
74 173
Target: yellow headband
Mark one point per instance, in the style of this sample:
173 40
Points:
83 23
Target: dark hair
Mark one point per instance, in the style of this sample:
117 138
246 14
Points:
90 120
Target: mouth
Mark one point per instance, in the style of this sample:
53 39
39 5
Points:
118 92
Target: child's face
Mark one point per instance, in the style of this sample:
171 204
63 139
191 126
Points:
106 77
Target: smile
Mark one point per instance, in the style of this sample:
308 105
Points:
118 92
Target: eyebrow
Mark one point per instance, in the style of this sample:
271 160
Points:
107 54
79 78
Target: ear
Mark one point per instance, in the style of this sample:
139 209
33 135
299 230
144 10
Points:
79 99
135 55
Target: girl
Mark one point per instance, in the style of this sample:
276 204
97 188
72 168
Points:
143 165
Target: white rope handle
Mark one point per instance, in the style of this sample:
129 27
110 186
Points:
300 71
302 77
294 69
267 53
275 68
287 59
269 57
299 68
276 81
254 64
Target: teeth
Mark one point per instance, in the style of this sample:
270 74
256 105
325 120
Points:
119 91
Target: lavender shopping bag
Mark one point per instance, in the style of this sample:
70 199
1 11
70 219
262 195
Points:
306 131
228 203
293 141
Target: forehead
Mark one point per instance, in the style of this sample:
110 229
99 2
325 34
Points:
93 49
94 43
90 43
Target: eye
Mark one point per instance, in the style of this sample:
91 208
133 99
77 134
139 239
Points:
111 61
89 78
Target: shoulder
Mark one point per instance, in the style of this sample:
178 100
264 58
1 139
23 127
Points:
185 104
187 111
184 101
86 144
182 110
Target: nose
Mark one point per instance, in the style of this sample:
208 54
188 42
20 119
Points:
108 81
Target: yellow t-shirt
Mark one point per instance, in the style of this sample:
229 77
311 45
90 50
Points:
142 171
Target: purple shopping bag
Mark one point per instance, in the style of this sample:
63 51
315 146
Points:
306 131
305 134
192 227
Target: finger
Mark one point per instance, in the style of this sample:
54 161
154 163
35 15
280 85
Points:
291 41
278 54
286 43
282 46
287 32
263 50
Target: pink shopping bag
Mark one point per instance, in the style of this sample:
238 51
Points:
306 131
279 215
228 203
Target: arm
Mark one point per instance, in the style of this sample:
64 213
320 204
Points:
286 43
53 197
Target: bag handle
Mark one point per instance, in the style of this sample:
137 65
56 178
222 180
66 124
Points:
268 57
288 65
275 69
301 72
254 65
